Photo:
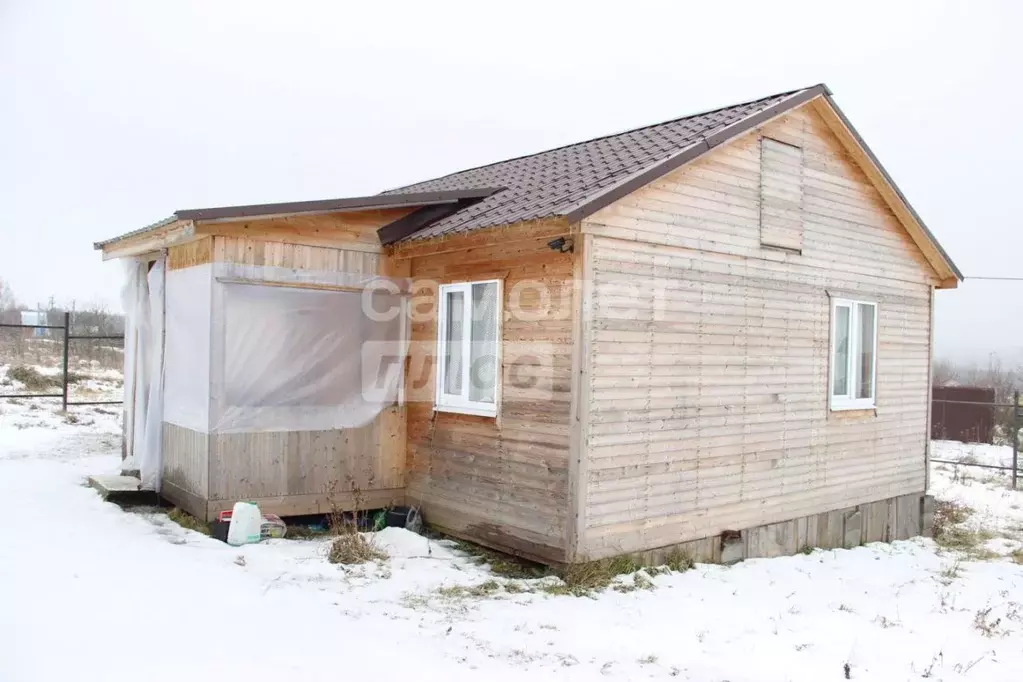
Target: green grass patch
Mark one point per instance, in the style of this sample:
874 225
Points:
299 532
484 589
951 535
592 576
968 541
502 564
186 520
679 561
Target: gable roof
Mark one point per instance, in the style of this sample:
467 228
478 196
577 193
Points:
577 180
561 181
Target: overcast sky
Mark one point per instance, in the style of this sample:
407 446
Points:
113 115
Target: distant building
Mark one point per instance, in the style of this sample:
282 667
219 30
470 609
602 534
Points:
35 318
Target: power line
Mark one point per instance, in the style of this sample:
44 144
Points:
1001 279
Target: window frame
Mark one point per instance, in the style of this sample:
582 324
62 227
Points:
849 401
445 402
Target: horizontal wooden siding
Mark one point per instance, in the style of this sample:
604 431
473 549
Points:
709 363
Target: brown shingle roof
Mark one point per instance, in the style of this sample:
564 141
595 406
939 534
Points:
559 182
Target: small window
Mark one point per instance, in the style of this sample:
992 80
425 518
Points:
468 329
853 354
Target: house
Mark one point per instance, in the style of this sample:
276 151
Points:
37 319
712 333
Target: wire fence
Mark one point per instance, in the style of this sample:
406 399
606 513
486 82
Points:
986 421
20 346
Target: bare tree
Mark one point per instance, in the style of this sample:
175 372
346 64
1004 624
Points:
946 373
7 300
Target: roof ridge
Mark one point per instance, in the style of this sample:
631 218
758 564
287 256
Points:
705 112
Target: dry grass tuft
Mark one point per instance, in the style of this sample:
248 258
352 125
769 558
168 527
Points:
988 626
484 589
353 548
948 514
33 379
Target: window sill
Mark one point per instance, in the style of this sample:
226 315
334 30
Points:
482 411
852 413
853 407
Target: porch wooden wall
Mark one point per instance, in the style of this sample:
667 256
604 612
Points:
713 414
501 482
293 472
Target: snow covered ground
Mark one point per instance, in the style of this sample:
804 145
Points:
972 453
91 592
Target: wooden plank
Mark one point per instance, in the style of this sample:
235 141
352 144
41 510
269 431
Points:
499 235
353 231
194 504
186 459
198 252
315 503
580 411
176 233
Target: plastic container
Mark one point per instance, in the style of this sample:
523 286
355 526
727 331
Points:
246 522
272 527
397 517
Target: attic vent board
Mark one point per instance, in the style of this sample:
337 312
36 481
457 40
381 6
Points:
781 195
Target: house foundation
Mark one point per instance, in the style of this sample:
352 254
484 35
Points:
895 518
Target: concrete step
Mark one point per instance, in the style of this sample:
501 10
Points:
125 490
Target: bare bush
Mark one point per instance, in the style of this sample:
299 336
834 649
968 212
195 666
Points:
349 546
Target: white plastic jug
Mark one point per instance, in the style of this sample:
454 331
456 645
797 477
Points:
246 520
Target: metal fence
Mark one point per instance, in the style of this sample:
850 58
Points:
67 337
1005 427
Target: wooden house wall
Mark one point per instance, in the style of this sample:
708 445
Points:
501 482
708 370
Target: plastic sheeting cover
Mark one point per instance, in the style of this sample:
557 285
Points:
304 359
187 373
151 462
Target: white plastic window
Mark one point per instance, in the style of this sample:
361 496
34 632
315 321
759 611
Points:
853 354
468 329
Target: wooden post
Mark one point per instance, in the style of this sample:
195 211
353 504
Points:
67 345
1015 437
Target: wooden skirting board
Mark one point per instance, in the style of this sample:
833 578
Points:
895 518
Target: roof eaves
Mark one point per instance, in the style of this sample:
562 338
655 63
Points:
645 176
134 233
374 202
422 218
